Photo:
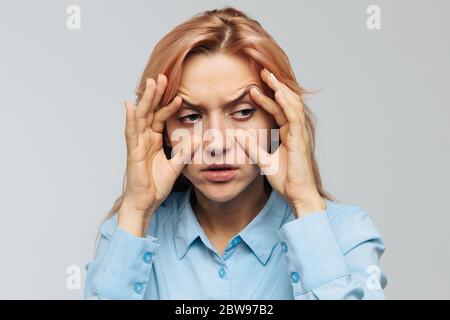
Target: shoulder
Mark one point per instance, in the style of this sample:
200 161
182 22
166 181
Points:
352 224
162 215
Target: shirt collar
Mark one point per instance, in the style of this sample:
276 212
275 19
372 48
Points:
260 235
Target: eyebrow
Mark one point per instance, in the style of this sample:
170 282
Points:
233 102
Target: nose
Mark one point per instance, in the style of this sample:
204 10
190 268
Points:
218 137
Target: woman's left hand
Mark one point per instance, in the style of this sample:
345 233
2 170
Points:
289 168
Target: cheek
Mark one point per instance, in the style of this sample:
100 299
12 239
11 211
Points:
262 120
175 133
191 171
250 171
170 124
168 129
264 135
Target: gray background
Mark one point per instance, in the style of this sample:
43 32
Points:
383 124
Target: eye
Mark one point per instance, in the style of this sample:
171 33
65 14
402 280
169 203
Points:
244 113
189 118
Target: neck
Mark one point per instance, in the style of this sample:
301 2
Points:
226 219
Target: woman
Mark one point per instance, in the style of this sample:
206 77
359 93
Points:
218 228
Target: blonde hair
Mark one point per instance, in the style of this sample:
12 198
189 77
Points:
230 31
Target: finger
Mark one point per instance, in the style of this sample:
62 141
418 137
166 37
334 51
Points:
161 85
271 80
249 144
183 152
303 121
146 100
165 113
291 103
291 115
269 105
289 112
145 104
293 100
282 89
304 128
287 105
160 88
276 84
130 126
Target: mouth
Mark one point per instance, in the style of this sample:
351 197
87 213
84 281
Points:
220 172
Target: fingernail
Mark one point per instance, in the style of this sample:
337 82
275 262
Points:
273 76
159 77
256 90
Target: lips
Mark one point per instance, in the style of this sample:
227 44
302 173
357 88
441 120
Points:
220 172
218 167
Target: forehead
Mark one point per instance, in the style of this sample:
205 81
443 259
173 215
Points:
215 77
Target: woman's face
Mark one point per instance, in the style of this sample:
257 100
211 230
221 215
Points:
208 85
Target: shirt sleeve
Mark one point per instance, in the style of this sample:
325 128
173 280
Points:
334 258
122 264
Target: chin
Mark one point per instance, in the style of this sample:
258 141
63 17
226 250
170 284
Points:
221 191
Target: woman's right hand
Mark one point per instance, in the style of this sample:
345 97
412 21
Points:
150 175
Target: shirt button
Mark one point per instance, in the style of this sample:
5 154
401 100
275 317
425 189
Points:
284 247
234 242
295 277
148 257
138 287
222 272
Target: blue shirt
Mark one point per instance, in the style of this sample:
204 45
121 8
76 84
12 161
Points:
330 254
